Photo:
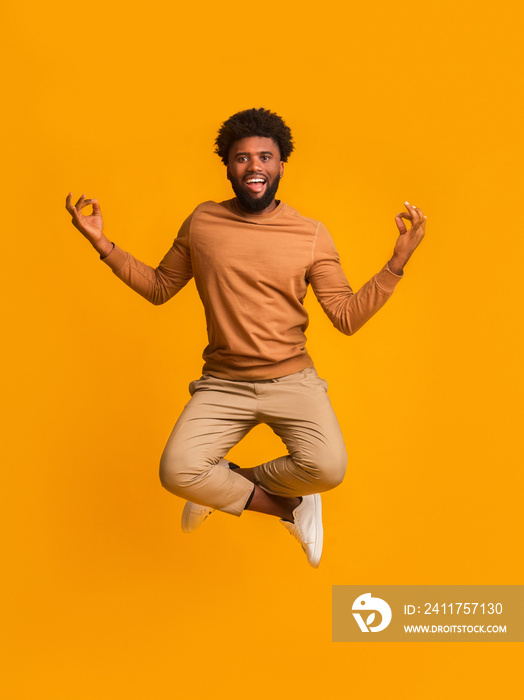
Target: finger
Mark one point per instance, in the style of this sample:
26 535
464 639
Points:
412 209
407 216
85 203
400 224
96 207
69 206
418 231
421 218
78 205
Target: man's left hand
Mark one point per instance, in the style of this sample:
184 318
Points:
408 239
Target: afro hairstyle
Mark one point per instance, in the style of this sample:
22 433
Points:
254 122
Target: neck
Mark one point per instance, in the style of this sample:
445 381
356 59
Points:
274 204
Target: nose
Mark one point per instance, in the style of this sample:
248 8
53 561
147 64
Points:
255 166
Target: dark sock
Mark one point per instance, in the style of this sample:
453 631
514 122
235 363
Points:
292 521
250 498
233 466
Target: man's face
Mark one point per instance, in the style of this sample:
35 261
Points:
254 169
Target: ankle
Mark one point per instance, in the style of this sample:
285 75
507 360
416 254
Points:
294 503
247 473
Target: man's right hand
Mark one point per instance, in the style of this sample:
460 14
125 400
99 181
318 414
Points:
92 226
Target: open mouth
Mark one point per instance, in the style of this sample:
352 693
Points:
255 184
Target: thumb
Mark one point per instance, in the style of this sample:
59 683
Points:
96 207
400 225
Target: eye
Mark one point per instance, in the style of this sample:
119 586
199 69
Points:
265 157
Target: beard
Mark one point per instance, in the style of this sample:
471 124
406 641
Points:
252 204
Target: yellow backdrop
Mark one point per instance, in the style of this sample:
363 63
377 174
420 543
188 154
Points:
103 595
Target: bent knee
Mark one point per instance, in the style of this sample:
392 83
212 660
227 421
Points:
175 473
333 473
328 469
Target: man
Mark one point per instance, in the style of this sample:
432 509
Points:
253 258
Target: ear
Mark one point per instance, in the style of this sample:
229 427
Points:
228 174
281 169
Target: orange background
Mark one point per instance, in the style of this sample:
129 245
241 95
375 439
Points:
103 595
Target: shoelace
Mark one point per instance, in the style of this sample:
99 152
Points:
297 534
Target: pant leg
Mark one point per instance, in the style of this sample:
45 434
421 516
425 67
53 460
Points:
219 414
298 409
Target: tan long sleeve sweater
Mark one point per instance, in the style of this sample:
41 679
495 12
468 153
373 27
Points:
252 273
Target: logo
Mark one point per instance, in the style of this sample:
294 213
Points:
366 602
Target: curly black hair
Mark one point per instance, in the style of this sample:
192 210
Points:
254 122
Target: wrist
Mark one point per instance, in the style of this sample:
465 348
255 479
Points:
396 265
104 247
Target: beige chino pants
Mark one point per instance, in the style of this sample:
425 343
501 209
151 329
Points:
221 412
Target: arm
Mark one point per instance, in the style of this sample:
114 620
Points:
157 285
348 311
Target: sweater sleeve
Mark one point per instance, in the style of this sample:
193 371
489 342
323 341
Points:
348 311
157 285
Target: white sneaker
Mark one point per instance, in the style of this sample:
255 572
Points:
194 515
307 527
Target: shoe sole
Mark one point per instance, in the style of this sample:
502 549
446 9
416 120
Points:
319 540
185 519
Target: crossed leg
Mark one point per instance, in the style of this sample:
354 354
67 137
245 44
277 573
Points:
221 412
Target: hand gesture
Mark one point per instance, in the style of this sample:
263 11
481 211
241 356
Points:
408 239
92 225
